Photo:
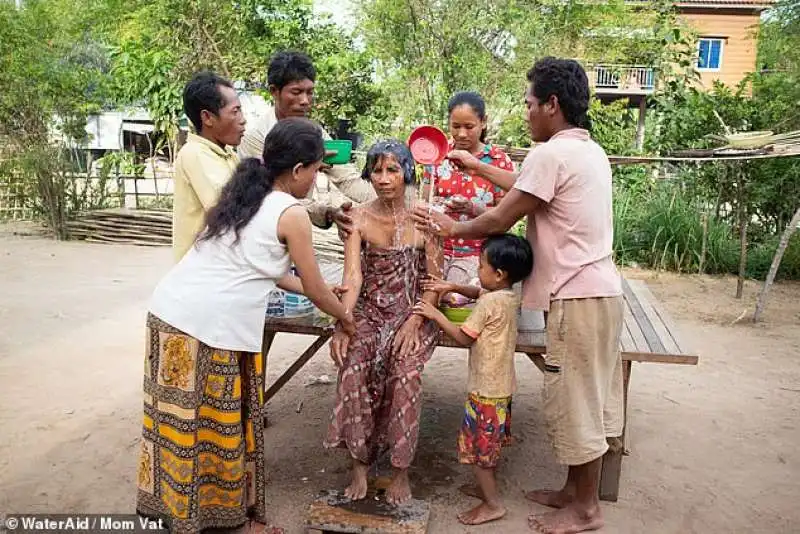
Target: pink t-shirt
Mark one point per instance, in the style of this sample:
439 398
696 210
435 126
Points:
572 234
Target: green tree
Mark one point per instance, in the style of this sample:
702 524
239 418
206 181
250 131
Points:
426 50
49 80
160 43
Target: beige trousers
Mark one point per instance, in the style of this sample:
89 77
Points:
583 392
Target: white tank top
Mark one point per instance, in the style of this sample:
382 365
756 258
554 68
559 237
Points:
218 292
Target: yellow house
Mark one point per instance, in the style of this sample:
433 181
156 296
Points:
727 37
727 44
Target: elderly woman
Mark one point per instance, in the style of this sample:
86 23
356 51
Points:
379 389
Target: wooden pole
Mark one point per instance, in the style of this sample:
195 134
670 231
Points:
640 125
120 188
776 263
704 243
742 211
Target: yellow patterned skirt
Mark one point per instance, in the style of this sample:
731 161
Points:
202 451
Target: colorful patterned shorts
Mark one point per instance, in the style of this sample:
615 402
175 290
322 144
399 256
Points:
486 428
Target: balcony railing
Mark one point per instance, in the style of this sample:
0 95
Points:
627 79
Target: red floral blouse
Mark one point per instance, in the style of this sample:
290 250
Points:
451 181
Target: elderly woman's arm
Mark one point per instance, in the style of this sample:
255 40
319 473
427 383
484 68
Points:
352 279
407 339
435 265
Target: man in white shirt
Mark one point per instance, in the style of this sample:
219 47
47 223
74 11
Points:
291 77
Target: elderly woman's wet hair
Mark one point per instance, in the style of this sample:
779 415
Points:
390 147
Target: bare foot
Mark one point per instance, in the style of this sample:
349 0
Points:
357 489
399 491
551 498
483 513
471 490
568 520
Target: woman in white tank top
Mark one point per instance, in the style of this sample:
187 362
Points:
202 453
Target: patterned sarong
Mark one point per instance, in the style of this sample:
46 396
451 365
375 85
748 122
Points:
202 452
378 396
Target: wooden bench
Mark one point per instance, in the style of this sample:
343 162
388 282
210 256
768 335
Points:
648 335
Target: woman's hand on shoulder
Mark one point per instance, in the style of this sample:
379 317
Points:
342 217
356 215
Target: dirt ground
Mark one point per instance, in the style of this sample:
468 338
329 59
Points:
713 448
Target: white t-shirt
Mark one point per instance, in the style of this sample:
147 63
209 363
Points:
218 292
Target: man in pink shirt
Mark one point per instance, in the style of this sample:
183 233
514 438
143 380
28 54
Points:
564 187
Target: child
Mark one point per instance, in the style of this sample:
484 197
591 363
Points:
491 334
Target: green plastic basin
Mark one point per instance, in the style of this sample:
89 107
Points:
456 315
343 149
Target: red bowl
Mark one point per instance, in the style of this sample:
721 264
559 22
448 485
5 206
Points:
428 145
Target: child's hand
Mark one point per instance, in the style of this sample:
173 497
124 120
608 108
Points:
425 309
436 284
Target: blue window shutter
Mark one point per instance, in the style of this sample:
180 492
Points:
702 58
714 57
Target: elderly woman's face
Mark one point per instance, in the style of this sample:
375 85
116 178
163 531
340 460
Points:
387 178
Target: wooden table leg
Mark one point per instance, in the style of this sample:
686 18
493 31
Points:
266 345
612 460
269 337
296 366
537 359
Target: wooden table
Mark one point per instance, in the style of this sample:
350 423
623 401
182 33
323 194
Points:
648 335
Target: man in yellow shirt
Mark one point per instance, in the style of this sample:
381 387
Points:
291 77
207 161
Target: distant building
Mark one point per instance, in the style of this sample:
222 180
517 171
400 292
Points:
727 46
727 42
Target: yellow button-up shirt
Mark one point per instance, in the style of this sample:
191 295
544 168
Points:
202 168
